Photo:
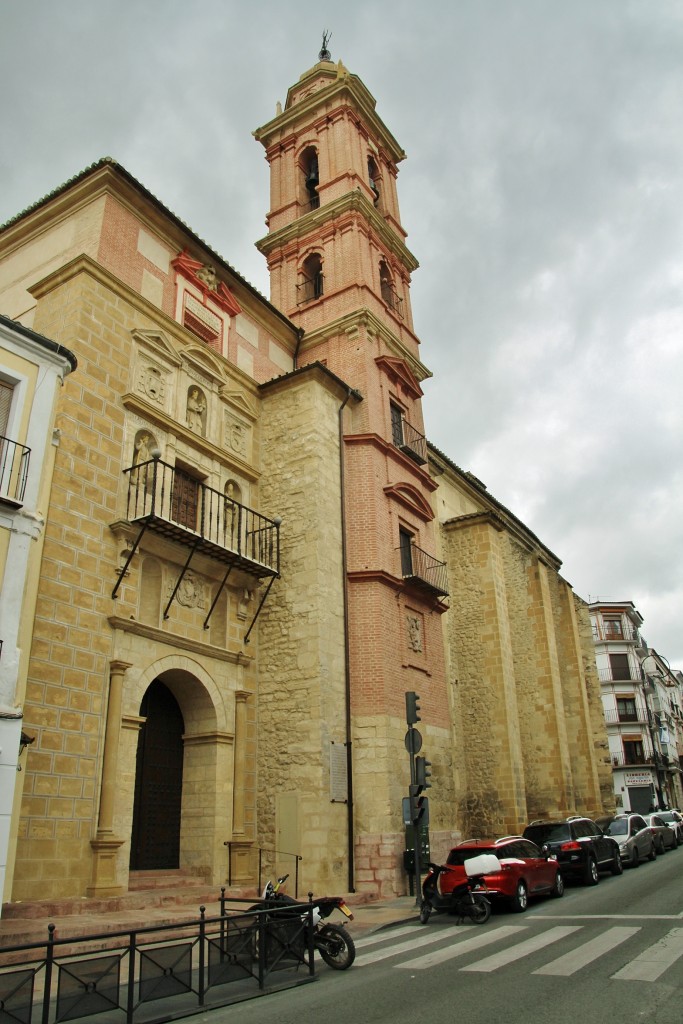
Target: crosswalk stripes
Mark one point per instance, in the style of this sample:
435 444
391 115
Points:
448 945
571 962
478 941
654 961
522 949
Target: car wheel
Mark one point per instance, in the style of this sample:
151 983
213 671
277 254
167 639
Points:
635 857
662 847
558 888
616 867
591 875
652 855
520 901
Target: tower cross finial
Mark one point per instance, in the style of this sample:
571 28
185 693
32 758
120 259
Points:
324 52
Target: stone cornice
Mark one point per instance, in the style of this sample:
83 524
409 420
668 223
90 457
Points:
85 265
344 91
152 414
314 371
502 524
315 221
171 640
373 325
397 584
390 450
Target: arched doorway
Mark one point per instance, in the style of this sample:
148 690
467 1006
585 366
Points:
155 837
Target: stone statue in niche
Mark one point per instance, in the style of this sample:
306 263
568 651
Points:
144 443
196 411
207 275
414 633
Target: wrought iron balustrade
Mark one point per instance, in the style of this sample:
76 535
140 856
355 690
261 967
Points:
411 442
623 759
393 301
619 675
423 570
14 463
160 972
639 716
606 631
310 288
171 502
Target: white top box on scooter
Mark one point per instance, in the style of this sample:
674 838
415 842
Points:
484 864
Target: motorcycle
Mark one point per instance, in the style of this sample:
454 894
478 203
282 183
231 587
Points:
467 899
332 941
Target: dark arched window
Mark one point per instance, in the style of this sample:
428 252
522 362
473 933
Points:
373 178
387 290
311 284
311 173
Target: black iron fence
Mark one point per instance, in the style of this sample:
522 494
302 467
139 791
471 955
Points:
156 973
14 462
423 570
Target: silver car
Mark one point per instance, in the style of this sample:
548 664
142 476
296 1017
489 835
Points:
665 838
674 820
634 836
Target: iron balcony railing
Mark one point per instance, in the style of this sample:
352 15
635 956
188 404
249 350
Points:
619 675
422 570
615 631
14 461
626 758
393 301
411 442
177 505
310 288
639 716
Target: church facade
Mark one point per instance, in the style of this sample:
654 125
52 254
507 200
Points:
252 552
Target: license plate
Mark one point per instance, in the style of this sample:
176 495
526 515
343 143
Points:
345 910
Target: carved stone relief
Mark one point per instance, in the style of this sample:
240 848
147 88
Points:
414 626
151 383
191 592
237 436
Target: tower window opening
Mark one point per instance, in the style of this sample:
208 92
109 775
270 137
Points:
311 285
388 292
311 174
373 178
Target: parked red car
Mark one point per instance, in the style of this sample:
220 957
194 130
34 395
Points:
525 871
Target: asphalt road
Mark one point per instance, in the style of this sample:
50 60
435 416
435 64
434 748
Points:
612 952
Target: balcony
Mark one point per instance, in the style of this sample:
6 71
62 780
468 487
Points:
14 462
393 301
310 288
614 674
411 442
616 631
175 505
639 716
626 760
423 571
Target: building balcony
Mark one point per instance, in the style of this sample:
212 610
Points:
628 674
175 505
639 717
423 571
393 301
411 442
626 760
617 632
310 288
14 463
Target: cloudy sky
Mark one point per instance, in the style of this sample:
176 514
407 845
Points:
542 195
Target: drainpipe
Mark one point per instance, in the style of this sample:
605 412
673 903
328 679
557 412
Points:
347 670
295 358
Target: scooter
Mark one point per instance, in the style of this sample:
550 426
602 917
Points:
467 899
332 941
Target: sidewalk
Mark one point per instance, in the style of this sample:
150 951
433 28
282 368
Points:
15 931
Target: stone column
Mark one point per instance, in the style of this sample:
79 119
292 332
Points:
105 845
240 846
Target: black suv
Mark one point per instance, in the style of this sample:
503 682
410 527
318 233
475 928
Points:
581 847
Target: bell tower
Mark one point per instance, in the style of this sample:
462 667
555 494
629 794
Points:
340 270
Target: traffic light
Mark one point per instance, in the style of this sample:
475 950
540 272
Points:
422 772
412 707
